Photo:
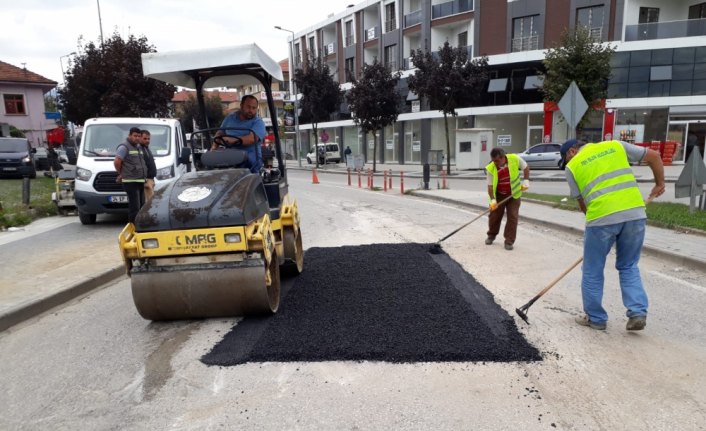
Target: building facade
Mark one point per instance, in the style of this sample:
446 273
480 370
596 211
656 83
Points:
22 93
657 92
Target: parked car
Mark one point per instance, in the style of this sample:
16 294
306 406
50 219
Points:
543 156
41 159
16 158
333 154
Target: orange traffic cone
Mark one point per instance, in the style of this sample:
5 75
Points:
314 178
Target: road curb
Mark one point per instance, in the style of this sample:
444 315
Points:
675 258
42 305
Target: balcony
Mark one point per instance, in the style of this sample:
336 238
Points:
329 49
451 8
372 33
665 30
528 43
391 65
413 18
349 40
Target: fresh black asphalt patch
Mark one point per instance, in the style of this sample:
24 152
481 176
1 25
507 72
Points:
380 302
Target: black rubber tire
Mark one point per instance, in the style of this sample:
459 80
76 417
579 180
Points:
87 219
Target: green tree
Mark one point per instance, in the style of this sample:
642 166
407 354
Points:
320 94
374 100
578 58
190 111
448 81
107 81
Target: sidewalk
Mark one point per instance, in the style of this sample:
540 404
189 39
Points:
37 277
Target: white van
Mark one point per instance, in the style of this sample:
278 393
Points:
96 191
333 153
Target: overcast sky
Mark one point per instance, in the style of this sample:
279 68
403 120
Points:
39 32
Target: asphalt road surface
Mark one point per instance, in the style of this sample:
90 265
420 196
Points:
95 364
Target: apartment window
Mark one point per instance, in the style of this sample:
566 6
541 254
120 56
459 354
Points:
349 33
312 45
697 11
463 39
297 56
660 73
648 15
390 57
350 69
592 19
524 34
496 85
14 104
390 21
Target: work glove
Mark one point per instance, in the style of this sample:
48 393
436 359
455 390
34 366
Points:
493 204
525 185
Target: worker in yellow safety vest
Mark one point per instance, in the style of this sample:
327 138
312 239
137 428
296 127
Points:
600 177
503 175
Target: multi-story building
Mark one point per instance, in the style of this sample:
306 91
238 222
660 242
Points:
657 91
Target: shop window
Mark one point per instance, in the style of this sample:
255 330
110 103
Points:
14 104
660 73
680 88
662 57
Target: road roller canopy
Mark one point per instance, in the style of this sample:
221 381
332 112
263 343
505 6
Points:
215 67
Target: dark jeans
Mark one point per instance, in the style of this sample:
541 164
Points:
512 208
135 198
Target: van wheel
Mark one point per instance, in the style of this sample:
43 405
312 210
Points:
86 218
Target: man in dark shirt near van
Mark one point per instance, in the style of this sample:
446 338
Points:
132 170
151 167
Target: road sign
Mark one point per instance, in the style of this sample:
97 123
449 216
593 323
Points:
692 179
572 105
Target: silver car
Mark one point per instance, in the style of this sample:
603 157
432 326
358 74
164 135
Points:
543 156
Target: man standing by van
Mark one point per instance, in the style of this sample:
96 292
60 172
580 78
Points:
250 133
132 170
151 167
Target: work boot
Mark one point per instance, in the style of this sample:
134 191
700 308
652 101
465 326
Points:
508 246
489 240
636 323
584 321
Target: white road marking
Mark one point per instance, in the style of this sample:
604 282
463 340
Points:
701 289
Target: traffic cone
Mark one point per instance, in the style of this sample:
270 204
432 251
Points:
314 178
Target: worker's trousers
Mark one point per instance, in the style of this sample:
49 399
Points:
495 218
598 240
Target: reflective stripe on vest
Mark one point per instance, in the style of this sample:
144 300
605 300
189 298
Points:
605 180
513 167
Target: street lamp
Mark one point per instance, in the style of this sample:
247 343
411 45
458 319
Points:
63 75
293 92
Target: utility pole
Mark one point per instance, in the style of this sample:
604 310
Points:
293 92
100 23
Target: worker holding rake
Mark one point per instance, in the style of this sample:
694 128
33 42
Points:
600 178
504 184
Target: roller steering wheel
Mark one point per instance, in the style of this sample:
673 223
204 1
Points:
220 141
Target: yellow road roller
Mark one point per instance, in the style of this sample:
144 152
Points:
212 243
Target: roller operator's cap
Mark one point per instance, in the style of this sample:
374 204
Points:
565 149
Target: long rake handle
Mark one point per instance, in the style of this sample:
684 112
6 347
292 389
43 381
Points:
557 279
474 219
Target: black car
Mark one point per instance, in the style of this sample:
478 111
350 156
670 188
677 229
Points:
16 158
